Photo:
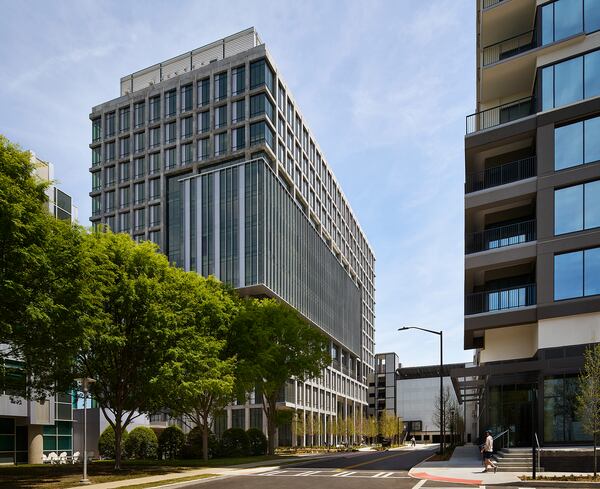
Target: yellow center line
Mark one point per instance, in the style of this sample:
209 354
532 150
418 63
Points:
372 461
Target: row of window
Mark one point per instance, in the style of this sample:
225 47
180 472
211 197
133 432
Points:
139 219
126 197
565 18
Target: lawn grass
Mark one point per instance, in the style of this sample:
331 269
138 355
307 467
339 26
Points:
562 478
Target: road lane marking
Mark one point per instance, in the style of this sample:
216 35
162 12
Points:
374 460
378 474
419 484
306 474
387 475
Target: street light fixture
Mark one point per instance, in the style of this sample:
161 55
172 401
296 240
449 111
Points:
441 335
85 385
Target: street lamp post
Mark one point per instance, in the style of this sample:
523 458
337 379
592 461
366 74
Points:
441 335
85 385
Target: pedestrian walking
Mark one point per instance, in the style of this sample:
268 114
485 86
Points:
413 442
488 452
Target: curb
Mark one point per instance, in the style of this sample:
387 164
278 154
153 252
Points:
550 483
436 478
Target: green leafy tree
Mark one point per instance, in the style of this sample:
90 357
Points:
388 424
257 441
106 442
141 443
171 442
588 399
274 344
372 428
235 443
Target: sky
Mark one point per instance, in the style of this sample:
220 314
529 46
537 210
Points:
384 85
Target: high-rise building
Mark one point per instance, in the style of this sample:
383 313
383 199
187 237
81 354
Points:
532 215
208 155
60 204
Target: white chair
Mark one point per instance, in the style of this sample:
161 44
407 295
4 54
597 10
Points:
44 459
75 458
62 458
52 457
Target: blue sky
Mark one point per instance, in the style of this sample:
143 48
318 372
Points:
384 86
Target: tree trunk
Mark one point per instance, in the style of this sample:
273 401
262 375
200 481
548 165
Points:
118 437
205 440
595 459
271 426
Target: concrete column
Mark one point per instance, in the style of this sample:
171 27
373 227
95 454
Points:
304 430
35 443
247 417
229 418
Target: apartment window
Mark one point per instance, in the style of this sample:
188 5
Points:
109 176
154 163
238 80
154 188
577 208
139 167
124 171
109 125
281 127
577 274
109 201
154 236
96 181
565 18
170 103
124 147
96 205
155 109
281 99
186 153
139 142
260 133
124 199
170 132
96 129
138 114
110 223
139 192
571 80
203 149
154 215
170 158
221 86
577 144
140 219
96 156
124 225
203 92
260 104
187 127
204 122
261 74
220 116
186 98
220 143
238 138
238 111
154 137
124 119
290 113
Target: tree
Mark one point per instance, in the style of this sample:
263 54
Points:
588 399
141 443
274 344
371 428
257 441
388 424
170 442
106 442
235 443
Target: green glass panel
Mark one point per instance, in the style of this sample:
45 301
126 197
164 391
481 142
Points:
64 428
50 430
7 426
7 442
64 443
49 442
63 411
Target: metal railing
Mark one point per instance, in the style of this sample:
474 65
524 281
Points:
491 239
498 300
509 47
501 174
490 3
501 437
501 114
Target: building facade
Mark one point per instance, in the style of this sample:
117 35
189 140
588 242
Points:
208 155
532 215
382 385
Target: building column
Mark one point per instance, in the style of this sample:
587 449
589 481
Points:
229 418
247 417
304 428
35 443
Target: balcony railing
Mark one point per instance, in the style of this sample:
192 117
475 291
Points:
509 48
501 114
498 300
490 239
501 175
490 3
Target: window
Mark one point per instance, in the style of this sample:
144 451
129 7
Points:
564 82
109 201
170 103
577 208
154 188
96 181
124 171
109 126
591 15
155 137
96 205
139 142
140 219
139 167
186 127
186 153
154 236
96 156
124 147
170 160
260 133
109 176
221 86
154 215
203 92
238 111
577 143
138 114
110 223
96 129
124 199
220 116
238 80
154 163
239 138
155 109
260 104
203 149
139 193
170 132
561 19
204 122
577 274
124 225
186 98
261 74
220 143
124 119
281 99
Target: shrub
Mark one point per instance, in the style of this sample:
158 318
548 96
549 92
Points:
106 442
234 443
257 441
170 442
193 446
141 443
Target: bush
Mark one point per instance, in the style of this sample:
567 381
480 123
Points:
257 441
170 442
106 442
141 443
235 443
193 446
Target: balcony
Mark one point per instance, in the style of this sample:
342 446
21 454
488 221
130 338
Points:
500 237
499 300
502 174
509 47
499 115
